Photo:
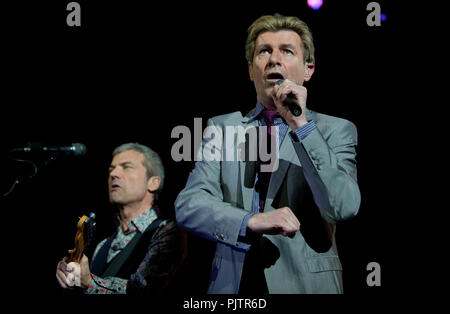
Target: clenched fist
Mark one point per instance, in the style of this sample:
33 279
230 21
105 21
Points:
279 221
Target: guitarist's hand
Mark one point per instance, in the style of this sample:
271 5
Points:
74 274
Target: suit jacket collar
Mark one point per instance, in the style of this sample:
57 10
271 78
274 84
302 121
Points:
247 168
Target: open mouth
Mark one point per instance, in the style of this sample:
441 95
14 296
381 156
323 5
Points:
115 187
274 77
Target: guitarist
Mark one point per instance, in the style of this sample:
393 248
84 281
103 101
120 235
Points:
144 253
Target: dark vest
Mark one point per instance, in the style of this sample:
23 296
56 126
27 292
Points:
124 264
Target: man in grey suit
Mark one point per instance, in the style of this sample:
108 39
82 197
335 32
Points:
276 234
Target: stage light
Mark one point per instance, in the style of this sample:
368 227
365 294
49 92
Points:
315 4
383 17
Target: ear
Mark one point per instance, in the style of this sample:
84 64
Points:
309 71
250 70
153 183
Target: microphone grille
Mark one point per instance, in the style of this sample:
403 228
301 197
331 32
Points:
79 149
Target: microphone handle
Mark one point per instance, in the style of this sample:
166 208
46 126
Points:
292 105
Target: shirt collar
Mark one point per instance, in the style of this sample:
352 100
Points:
257 115
141 222
258 109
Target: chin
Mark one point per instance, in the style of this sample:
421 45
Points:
114 199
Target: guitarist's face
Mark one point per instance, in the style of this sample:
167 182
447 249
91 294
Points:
127 181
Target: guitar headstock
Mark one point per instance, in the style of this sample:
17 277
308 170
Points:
89 229
84 236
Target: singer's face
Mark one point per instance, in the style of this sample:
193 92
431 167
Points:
278 55
127 180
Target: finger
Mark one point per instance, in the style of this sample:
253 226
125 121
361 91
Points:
291 223
84 263
70 280
61 283
275 89
274 95
290 228
84 259
287 224
292 235
62 264
73 267
61 279
63 268
284 89
294 220
284 227
278 88
294 223
279 107
281 92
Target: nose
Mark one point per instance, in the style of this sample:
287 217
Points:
275 58
114 174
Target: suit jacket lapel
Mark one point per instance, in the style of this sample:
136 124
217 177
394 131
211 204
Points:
287 156
247 168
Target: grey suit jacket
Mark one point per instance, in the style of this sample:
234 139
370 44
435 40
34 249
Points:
218 195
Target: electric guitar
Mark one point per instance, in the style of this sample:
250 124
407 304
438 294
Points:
84 236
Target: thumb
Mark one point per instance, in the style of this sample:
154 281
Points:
71 266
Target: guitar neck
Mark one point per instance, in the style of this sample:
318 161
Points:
76 254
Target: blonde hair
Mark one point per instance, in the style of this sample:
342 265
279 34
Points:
273 23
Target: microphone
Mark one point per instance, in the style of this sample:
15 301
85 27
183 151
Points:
76 149
291 102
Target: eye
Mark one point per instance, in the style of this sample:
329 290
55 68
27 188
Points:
263 51
288 51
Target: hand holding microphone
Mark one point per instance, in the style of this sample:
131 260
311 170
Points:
290 101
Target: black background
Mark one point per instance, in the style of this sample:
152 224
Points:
134 71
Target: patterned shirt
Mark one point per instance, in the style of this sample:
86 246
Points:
164 242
